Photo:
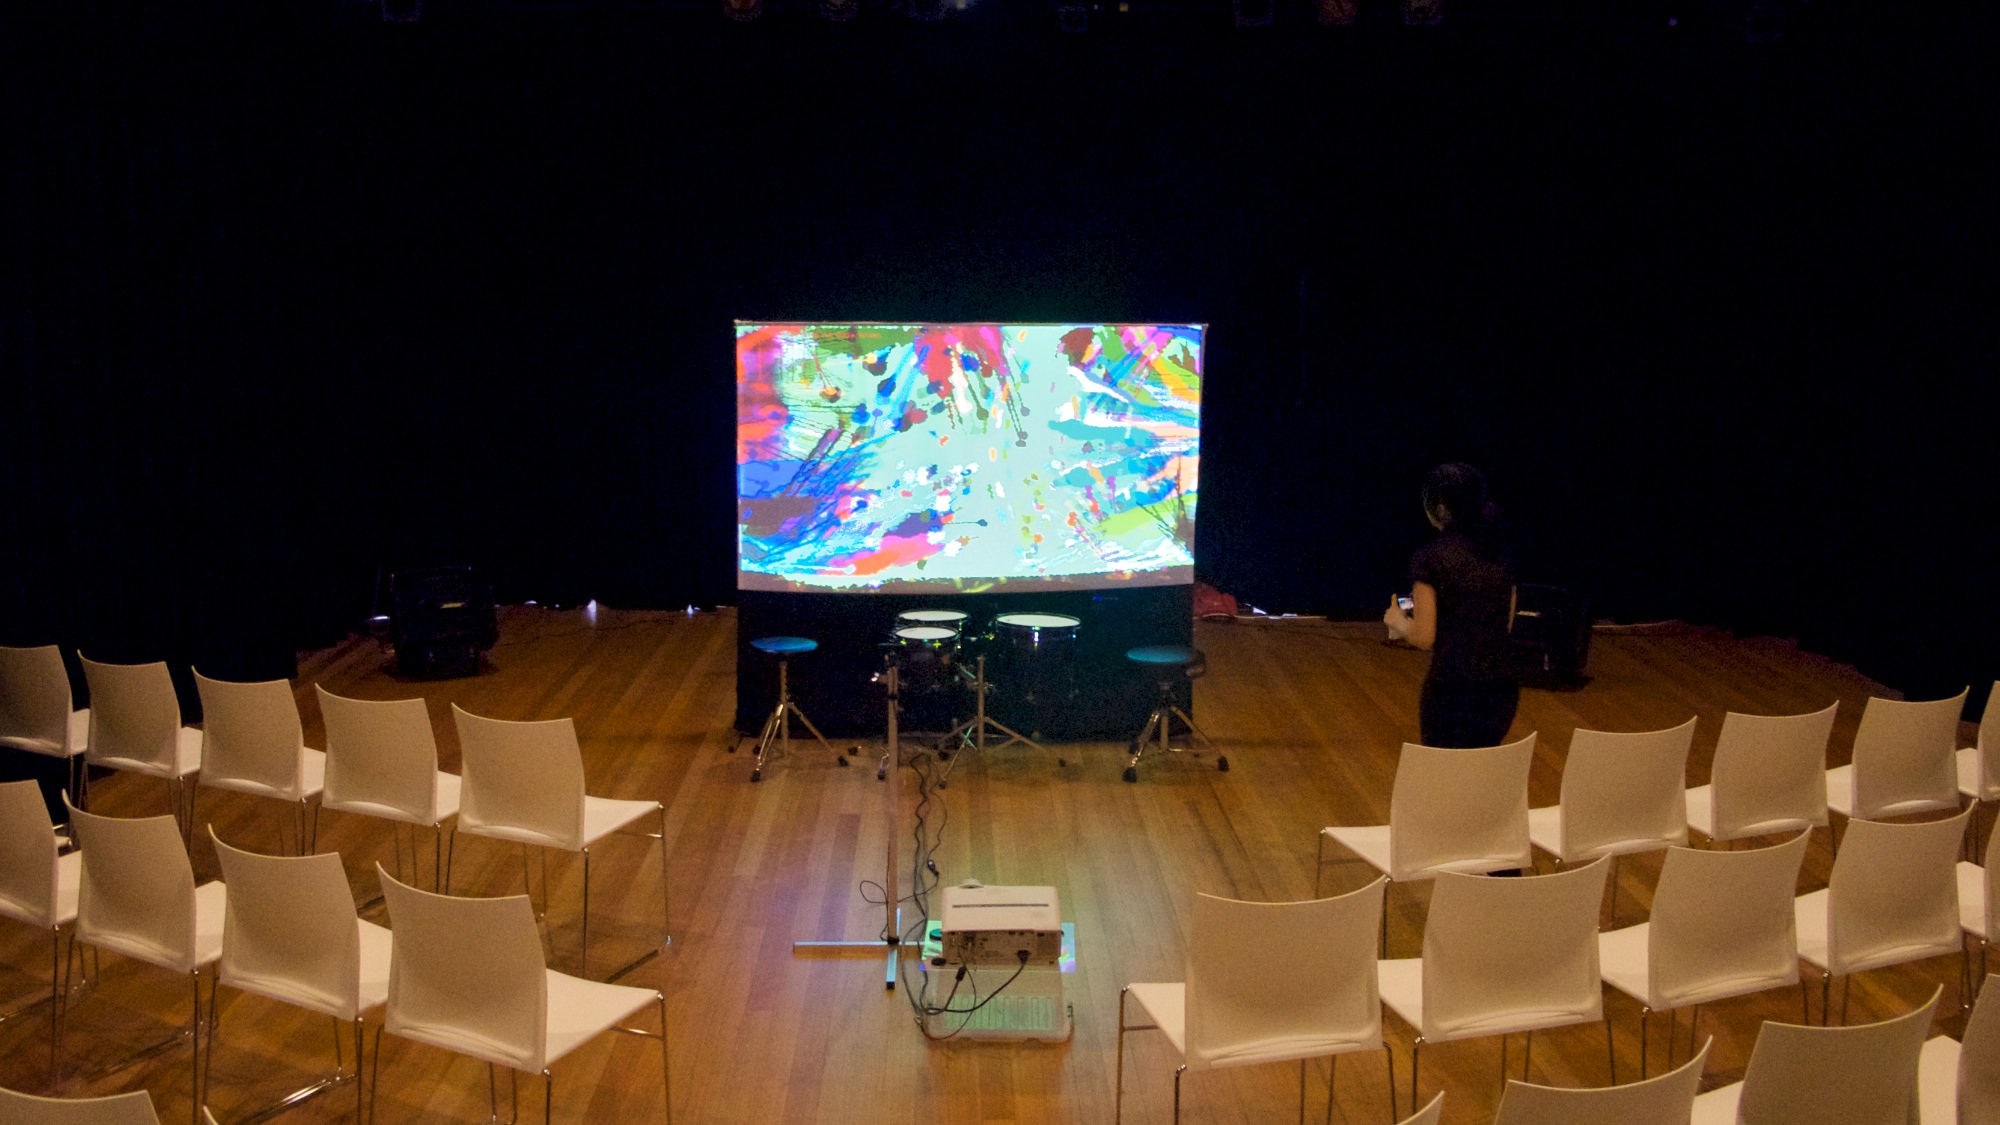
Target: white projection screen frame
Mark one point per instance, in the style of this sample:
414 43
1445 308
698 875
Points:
966 458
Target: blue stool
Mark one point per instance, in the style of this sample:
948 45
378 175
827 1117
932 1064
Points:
1169 665
778 728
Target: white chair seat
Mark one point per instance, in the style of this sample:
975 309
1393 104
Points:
601 817
1701 818
1840 798
1166 1004
77 742
1371 844
312 780
1972 899
1970 783
1718 1106
187 758
449 786
1402 985
1937 1081
579 1009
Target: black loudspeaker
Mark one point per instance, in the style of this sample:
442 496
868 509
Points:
443 618
1551 637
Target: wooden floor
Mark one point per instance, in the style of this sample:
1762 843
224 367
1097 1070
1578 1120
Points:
1309 713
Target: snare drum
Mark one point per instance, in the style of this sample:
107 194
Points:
944 618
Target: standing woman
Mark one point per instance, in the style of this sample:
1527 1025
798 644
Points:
1463 594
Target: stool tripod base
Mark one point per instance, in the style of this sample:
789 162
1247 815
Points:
778 733
1157 736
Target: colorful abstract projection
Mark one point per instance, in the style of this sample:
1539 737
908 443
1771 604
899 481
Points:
961 458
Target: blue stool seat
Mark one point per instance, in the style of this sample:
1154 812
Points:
1164 655
784 646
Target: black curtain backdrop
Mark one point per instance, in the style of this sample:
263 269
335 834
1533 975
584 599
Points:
294 297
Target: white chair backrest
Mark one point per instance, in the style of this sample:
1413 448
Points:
1452 806
1254 1009
1988 746
526 776
1905 756
1893 893
290 930
1623 792
27 855
1769 773
381 757
251 736
1979 1059
137 893
467 974
1860 1075
1723 921
1429 1115
135 718
135 1108
34 700
1498 950
1665 1100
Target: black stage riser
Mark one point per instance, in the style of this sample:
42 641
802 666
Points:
1065 689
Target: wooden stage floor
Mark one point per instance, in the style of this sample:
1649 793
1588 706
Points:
1310 714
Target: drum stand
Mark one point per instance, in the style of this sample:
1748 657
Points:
971 734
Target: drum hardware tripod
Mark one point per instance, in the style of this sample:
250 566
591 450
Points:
971 734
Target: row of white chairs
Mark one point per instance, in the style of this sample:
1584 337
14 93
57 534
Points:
1505 956
523 781
286 928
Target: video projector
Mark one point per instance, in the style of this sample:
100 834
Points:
1001 926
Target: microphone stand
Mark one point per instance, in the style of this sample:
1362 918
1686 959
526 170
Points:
892 923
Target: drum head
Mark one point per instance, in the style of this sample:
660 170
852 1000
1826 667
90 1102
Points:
926 633
1038 620
931 616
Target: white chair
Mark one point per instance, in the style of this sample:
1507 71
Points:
1979 763
524 783
252 742
1621 793
382 761
1317 999
1501 956
38 885
291 934
467 975
1666 1100
1979 905
138 898
35 708
1892 898
1768 776
1861 1075
1722 925
135 725
135 1108
1904 760
1429 1115
1449 810
1959 1081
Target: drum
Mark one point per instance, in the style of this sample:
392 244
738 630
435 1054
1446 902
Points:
1033 666
926 655
945 618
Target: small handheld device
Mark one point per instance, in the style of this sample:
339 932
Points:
1406 603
